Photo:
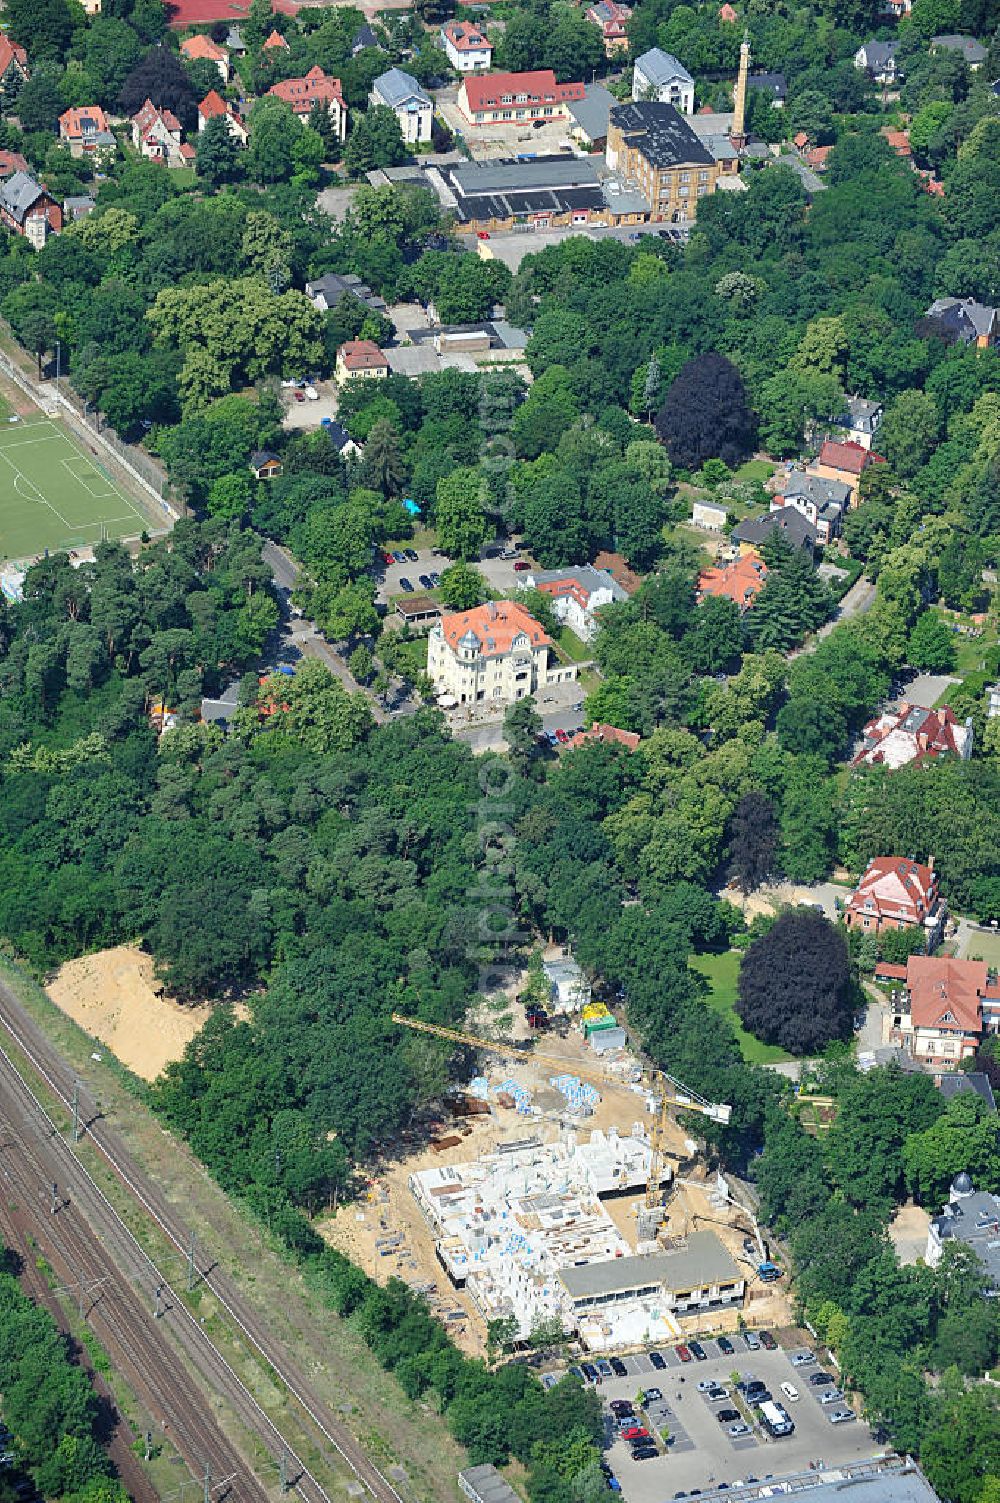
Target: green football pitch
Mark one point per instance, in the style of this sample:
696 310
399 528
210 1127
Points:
53 495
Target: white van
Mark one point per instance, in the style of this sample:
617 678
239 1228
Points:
791 1394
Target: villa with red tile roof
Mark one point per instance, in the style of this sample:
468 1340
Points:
496 653
612 18
912 734
275 43
13 65
157 134
896 893
316 87
608 734
213 106
944 1017
202 48
495 98
740 581
468 48
727 14
845 462
86 131
361 358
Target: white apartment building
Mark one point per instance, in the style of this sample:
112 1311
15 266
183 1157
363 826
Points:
467 47
412 107
497 652
657 75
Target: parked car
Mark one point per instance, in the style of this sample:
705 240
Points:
716 1393
831 1396
590 1372
617 1365
768 1341
398 557
791 1393
697 1351
604 1368
706 1385
387 558
752 1340
739 1429
299 396
482 234
644 1453
562 736
635 1432
621 1406
749 1247
725 1346
726 1416
684 1353
822 1380
802 1359
841 1416
657 1361
312 394
653 1396
424 582
521 567
435 580
404 584
411 556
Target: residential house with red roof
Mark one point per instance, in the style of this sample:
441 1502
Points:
213 106
896 893
578 593
158 135
612 18
317 87
499 98
361 359
740 581
494 654
275 43
942 1018
13 68
202 48
28 209
912 734
12 161
727 15
187 13
845 462
467 47
86 131
606 734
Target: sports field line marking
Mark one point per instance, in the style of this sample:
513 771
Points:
86 477
38 498
46 438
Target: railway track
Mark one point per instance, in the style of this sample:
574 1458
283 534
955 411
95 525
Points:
115 1236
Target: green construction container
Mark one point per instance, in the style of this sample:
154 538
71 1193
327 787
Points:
599 1025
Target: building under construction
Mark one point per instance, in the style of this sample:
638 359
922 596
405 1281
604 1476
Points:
525 1232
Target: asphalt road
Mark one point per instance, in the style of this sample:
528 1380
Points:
97 1242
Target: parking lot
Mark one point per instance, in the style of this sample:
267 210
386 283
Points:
696 1452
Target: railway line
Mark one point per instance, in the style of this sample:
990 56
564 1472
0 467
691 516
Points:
114 1240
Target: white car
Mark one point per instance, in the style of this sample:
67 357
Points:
312 394
791 1394
802 1359
736 1430
841 1416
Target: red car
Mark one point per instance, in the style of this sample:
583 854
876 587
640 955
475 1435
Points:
299 396
388 558
562 736
635 1432
683 1353
482 234
521 567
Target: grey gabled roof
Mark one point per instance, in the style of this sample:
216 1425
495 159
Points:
772 83
703 1261
786 522
817 489
592 111
877 54
18 194
662 67
964 315
365 38
398 89
971 50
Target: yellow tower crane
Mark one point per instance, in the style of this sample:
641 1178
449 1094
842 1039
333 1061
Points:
664 1089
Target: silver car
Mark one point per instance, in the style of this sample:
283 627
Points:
831 1396
802 1359
741 1429
841 1416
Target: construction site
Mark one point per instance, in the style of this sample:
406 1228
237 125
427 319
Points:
559 1192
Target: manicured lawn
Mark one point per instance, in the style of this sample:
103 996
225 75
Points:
571 647
754 469
984 947
721 971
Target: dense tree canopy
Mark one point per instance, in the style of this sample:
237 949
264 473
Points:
794 984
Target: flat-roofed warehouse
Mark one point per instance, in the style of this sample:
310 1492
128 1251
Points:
699 1276
546 192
